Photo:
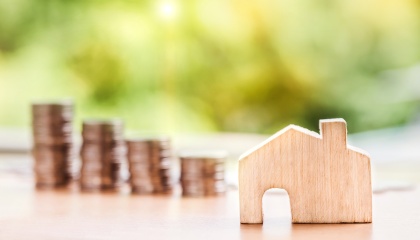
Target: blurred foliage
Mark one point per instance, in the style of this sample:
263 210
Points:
208 65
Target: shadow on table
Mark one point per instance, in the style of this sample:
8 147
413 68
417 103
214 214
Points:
331 231
284 229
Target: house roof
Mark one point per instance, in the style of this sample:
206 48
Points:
298 129
279 133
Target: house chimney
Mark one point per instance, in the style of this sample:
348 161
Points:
334 132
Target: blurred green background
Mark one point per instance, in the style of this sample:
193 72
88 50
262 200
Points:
211 65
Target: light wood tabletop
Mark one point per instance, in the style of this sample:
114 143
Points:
26 213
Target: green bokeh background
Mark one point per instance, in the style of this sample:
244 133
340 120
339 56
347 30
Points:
209 65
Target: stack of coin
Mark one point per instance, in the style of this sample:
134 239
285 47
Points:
103 153
150 165
203 173
138 156
53 149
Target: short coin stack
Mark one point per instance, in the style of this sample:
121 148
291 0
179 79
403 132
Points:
150 165
202 173
53 144
103 154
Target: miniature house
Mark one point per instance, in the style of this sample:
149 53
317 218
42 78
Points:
327 180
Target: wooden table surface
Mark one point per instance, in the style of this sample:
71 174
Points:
26 213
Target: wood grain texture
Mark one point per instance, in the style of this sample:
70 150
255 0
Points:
327 180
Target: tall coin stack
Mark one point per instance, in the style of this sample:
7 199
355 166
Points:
203 173
103 153
150 165
53 144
